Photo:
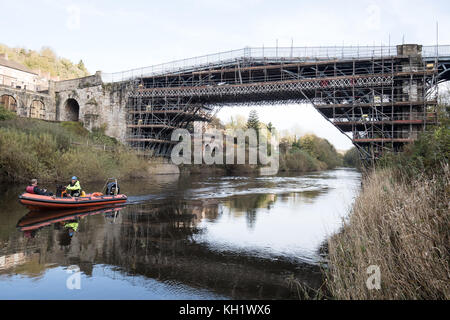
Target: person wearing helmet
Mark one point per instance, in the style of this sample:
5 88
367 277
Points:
71 226
74 188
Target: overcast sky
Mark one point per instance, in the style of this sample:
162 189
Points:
119 35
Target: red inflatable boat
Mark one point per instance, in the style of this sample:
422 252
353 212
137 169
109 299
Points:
36 219
37 202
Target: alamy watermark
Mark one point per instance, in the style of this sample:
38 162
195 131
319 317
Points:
73 21
226 147
374 280
73 282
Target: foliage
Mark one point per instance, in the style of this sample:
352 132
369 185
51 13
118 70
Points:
76 128
253 121
321 149
299 161
6 114
426 156
399 222
309 153
31 148
352 159
237 122
46 60
216 123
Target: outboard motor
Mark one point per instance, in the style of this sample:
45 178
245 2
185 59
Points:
112 189
59 191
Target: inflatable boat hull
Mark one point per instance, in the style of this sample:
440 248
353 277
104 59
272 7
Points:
37 202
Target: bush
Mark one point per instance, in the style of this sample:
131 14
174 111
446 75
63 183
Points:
426 156
31 148
309 153
6 114
98 136
352 159
75 127
301 161
321 149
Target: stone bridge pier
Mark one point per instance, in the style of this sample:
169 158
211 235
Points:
92 102
88 100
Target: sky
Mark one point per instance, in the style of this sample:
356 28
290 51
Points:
114 36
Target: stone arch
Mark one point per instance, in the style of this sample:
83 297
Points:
9 102
71 110
37 109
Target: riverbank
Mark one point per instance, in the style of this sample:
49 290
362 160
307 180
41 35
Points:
51 152
400 224
306 154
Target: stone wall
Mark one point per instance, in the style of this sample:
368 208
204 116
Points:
100 105
25 98
88 99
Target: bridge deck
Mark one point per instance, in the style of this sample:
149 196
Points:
376 96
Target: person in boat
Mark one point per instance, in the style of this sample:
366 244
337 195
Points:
34 189
72 227
68 230
74 188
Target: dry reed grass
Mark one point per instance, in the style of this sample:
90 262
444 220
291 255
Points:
402 227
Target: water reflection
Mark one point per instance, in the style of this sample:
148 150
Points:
290 223
198 237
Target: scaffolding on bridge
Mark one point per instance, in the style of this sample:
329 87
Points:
382 98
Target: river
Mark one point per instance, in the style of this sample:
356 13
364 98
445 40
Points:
179 237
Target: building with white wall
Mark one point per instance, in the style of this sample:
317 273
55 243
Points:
16 75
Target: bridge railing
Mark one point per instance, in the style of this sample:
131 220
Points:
298 54
399 116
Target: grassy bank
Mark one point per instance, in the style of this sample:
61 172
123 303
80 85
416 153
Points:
351 158
31 148
309 153
306 154
400 222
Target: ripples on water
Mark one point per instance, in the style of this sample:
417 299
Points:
191 237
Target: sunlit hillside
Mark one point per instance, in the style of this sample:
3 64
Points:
46 61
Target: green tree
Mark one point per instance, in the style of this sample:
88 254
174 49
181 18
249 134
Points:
296 144
238 122
321 149
81 66
253 120
351 158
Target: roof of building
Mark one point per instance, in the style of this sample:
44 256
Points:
14 65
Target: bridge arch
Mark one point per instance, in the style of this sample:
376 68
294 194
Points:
37 109
9 102
71 110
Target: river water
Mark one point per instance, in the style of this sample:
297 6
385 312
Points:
179 237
